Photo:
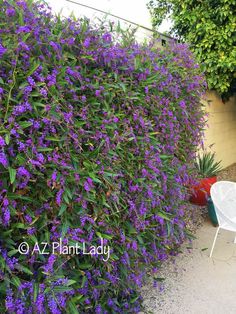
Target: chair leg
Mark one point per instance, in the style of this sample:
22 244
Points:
213 245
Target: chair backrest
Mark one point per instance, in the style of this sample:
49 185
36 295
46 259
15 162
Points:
223 194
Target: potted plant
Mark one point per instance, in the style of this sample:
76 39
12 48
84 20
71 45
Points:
207 169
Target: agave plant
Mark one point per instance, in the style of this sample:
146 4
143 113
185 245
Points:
207 166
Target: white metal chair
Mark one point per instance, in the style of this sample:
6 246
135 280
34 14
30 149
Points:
223 195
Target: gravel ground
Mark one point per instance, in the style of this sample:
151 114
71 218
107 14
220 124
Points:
228 174
168 296
196 284
155 298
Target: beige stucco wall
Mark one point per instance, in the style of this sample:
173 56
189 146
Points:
221 129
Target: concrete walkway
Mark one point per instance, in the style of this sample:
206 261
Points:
196 284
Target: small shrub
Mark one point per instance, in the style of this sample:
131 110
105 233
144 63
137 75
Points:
207 166
97 141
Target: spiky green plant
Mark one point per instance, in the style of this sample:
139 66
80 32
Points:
207 166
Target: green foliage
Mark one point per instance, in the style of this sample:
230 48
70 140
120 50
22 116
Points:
207 166
210 29
97 140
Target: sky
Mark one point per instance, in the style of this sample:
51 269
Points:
134 10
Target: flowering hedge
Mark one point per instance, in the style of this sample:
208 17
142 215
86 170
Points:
97 140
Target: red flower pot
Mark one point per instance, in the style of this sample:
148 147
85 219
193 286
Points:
201 191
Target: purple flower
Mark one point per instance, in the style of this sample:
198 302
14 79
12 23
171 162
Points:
39 303
31 231
23 46
31 81
87 42
23 29
83 98
40 158
22 4
48 268
2 142
161 220
71 41
97 92
28 219
5 202
22 108
88 184
107 37
10 304
98 309
182 104
21 146
58 197
110 302
11 262
10 11
3 160
43 92
22 172
6 216
2 50
134 246
54 176
53 306
55 45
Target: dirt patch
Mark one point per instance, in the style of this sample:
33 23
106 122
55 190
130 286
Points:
228 174
195 216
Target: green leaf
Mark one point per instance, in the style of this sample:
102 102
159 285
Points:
45 149
16 281
62 289
53 139
84 280
33 68
104 236
65 227
163 215
12 173
85 266
36 291
12 252
72 309
24 269
25 124
7 139
71 282
62 209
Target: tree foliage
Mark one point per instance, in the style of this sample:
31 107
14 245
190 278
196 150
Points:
210 28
